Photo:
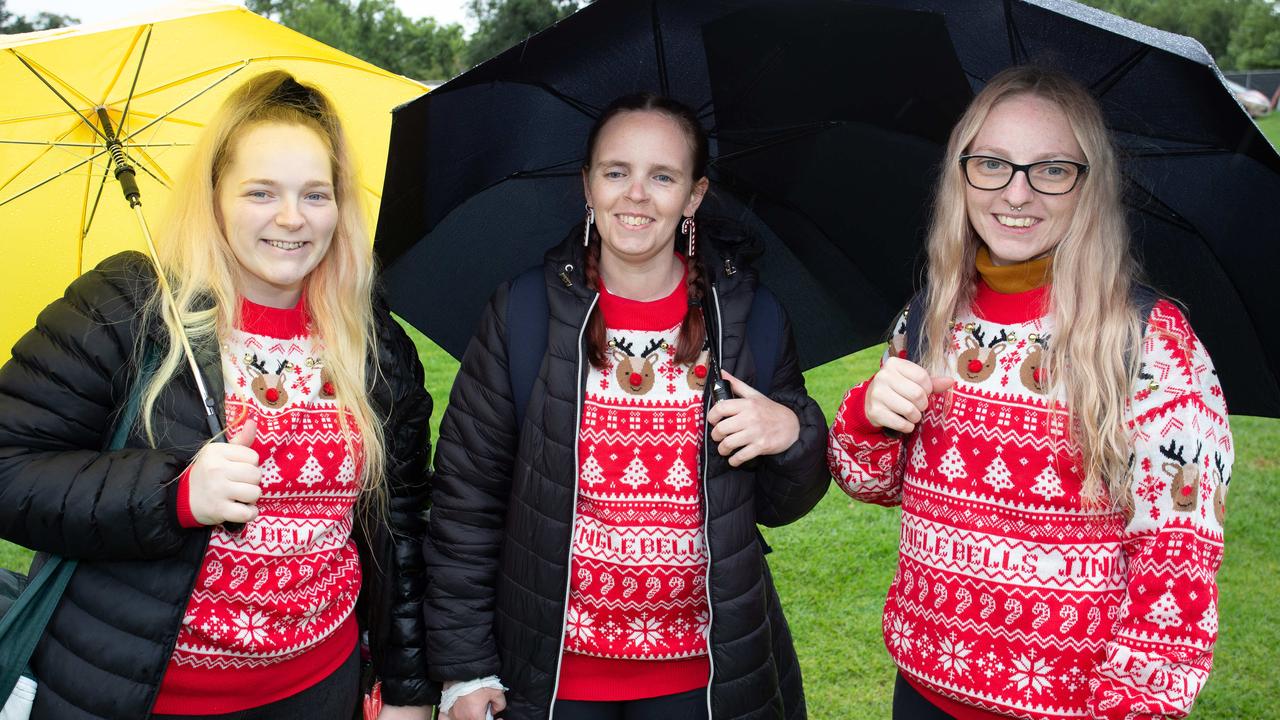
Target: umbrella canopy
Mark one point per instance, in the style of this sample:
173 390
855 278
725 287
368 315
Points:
811 154
482 174
1201 177
157 78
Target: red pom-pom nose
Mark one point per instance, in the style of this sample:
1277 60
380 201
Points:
328 389
975 365
636 378
700 371
1037 375
273 395
902 354
1186 490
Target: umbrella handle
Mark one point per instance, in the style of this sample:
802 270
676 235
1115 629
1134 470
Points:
124 172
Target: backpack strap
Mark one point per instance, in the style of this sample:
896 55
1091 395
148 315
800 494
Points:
915 323
1144 298
528 317
764 329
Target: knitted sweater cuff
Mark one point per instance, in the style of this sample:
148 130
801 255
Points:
853 411
185 518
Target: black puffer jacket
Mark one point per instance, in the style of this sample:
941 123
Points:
108 643
499 533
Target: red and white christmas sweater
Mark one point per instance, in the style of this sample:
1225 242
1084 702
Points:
271 611
1013 599
638 615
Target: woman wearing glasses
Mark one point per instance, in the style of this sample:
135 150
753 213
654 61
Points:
1054 432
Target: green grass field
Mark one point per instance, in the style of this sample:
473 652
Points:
833 567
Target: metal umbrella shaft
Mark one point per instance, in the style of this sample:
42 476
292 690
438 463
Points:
125 174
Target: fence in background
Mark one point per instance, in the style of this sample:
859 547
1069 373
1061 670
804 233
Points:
1266 81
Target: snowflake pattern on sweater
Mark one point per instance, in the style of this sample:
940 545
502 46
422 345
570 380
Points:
288 581
1012 598
639 555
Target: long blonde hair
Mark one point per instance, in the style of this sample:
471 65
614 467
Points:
197 259
1097 331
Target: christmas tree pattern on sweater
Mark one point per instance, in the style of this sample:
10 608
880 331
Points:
1010 596
290 578
638 571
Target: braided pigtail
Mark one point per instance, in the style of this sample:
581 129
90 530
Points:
693 331
596 345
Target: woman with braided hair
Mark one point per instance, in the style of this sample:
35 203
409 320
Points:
597 555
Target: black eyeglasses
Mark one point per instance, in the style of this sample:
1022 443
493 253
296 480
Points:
1047 177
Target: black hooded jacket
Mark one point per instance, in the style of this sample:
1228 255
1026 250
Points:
106 648
499 534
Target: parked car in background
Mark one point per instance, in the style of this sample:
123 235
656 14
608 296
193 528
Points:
1254 102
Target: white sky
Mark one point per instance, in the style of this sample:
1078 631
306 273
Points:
444 11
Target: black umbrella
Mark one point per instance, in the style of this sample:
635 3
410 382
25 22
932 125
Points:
1202 180
826 132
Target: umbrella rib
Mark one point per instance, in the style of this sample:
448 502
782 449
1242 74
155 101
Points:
570 167
1017 50
85 224
124 62
159 174
54 90
267 58
146 43
1117 72
53 177
184 103
663 81
40 155
147 170
1169 215
54 143
790 134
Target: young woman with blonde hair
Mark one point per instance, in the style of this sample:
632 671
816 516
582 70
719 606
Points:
1054 433
220 579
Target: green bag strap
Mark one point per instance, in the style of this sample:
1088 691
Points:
22 627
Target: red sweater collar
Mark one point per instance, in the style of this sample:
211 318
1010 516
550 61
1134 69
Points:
282 323
1010 308
652 315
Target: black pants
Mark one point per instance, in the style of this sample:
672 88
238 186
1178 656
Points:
690 705
332 698
909 704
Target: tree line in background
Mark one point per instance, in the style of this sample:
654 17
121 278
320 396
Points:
10 23
1241 34
377 31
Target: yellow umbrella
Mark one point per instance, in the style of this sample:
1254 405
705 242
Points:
153 80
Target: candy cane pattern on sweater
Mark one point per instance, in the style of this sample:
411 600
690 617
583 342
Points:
992 510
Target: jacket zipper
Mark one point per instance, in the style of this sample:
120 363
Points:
706 503
573 520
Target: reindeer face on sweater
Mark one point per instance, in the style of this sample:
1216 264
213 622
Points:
1220 492
268 388
976 362
1033 373
697 375
634 374
1184 485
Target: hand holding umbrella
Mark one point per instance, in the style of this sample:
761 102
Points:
225 482
751 425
